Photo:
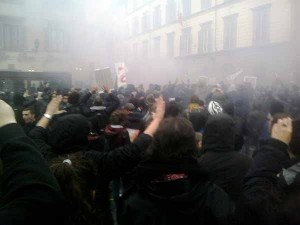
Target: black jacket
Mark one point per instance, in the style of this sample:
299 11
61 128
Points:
174 193
109 164
265 200
28 127
227 167
30 193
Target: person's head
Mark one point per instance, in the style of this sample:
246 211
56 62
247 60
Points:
118 117
76 177
174 140
140 88
129 107
69 132
219 133
98 101
28 115
74 98
134 101
173 109
150 100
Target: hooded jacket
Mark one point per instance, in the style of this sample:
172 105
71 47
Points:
175 193
227 167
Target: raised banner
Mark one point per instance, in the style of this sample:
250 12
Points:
121 71
103 78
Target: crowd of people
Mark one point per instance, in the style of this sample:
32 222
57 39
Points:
177 154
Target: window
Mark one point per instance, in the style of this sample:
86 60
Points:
146 22
186 42
205 38
261 33
135 50
145 49
156 46
205 4
55 39
230 32
170 44
157 17
135 25
11 36
186 7
171 14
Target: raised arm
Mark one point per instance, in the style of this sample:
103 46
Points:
30 193
39 133
123 159
114 101
261 195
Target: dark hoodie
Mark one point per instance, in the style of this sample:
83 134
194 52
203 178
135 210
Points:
227 167
175 193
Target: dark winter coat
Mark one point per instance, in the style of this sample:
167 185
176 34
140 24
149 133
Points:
174 193
30 193
271 188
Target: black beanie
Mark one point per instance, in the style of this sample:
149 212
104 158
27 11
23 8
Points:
67 132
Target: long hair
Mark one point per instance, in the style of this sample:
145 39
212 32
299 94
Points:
174 140
76 177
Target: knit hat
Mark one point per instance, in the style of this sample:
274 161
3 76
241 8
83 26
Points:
214 108
67 132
